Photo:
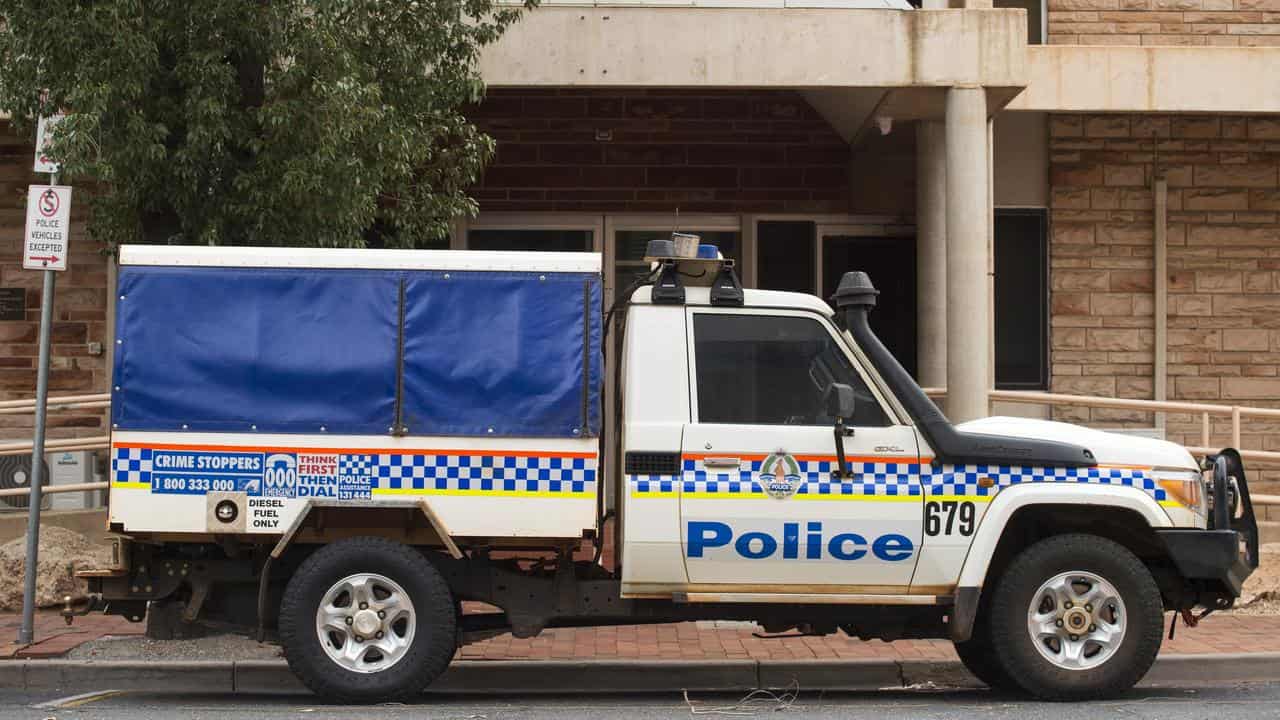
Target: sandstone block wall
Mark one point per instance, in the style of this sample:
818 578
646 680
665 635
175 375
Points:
79 309
1224 264
1238 23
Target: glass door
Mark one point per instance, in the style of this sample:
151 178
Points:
891 264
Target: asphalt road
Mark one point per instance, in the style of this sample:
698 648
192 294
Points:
1255 701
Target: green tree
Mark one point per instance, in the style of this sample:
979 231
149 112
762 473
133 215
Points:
328 123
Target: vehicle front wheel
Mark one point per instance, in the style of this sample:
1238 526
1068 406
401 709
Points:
367 620
1076 617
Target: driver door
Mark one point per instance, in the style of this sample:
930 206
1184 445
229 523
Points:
758 501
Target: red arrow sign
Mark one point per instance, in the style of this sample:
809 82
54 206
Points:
48 227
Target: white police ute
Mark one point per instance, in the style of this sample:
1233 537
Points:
334 448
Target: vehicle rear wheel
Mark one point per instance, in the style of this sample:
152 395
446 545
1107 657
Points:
1076 617
367 620
979 657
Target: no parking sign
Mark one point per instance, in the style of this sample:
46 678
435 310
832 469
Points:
48 227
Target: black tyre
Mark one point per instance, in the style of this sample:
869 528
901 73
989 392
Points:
1076 617
979 658
367 620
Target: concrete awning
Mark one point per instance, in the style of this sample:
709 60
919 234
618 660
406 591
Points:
681 47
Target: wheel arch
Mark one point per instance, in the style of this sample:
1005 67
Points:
397 521
1064 503
1022 515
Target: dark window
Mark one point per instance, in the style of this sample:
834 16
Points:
785 255
517 239
1035 16
1022 300
891 264
772 370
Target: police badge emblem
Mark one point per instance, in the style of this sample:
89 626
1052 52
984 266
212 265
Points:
780 475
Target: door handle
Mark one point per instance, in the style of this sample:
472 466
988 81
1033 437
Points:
722 462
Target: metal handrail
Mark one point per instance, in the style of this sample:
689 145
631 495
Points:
29 405
94 401
54 489
1204 410
95 405
85 443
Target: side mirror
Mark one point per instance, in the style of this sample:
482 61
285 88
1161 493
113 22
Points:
840 401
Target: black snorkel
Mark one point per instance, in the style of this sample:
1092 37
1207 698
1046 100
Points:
854 300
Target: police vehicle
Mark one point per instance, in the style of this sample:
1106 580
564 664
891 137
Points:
335 449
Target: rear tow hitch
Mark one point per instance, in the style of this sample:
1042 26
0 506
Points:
92 602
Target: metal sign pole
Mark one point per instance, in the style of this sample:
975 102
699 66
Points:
27 633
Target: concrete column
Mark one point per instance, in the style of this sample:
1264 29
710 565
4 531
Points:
931 253
968 199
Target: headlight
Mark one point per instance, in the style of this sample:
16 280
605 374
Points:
1184 486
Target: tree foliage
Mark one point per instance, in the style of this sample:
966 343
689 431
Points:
265 122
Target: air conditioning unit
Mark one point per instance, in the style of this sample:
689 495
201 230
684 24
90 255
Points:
74 468
15 473
61 468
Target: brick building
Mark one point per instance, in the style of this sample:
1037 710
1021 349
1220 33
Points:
78 362
1074 147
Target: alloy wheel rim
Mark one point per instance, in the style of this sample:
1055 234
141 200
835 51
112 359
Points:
366 623
1077 620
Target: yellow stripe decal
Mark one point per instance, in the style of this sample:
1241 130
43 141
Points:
488 493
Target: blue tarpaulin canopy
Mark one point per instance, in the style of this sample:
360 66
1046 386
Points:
308 350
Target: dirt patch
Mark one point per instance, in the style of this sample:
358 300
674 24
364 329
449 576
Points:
1261 594
214 647
62 553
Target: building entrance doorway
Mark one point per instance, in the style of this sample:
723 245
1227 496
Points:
891 263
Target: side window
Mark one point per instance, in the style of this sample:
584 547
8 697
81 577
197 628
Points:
772 370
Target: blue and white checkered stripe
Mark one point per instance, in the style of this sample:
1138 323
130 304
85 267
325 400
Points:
484 473
965 480
131 465
356 464
652 485
873 478
880 479
886 479
456 472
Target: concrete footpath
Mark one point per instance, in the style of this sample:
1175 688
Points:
705 656
1231 633
600 676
